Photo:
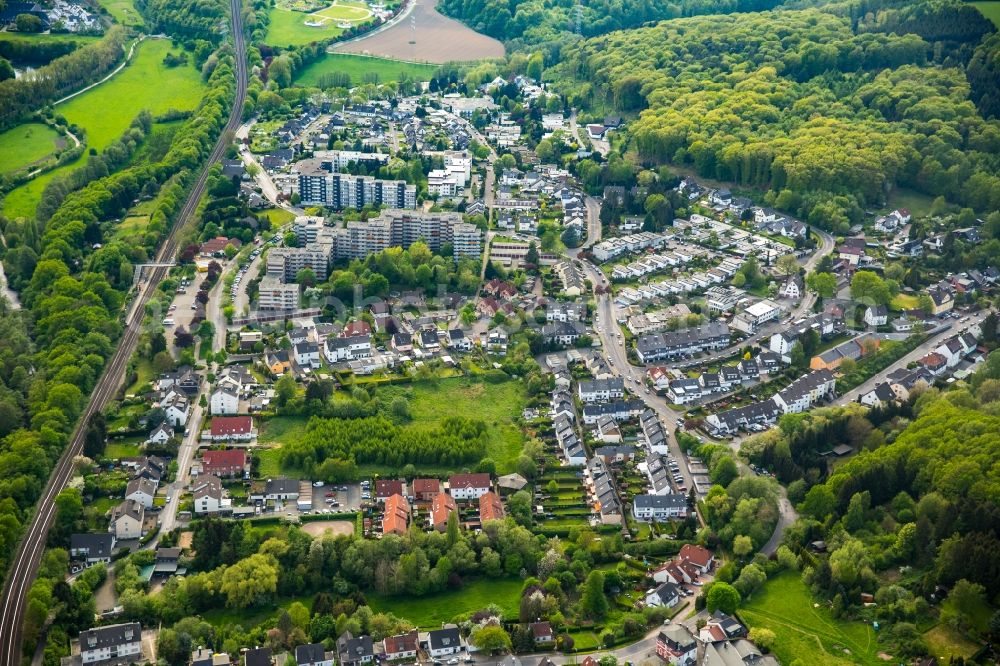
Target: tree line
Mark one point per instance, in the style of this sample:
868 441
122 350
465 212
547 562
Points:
19 97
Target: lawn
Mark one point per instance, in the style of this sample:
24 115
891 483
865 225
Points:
278 217
944 643
904 302
50 37
990 10
431 611
123 11
917 203
121 449
105 111
26 144
356 66
288 28
807 632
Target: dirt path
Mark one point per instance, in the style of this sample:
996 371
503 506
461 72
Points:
422 34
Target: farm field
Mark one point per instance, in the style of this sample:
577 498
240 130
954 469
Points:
805 632
431 611
25 144
437 39
288 28
990 10
357 66
105 111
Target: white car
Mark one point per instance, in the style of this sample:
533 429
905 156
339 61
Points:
318 484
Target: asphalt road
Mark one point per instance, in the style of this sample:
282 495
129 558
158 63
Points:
24 565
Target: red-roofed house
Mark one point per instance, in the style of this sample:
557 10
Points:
402 646
442 506
697 555
234 428
386 488
541 632
934 362
217 245
228 462
500 289
424 490
356 328
469 486
659 377
397 515
490 507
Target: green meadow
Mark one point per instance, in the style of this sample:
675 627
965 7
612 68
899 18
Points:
356 66
26 144
105 111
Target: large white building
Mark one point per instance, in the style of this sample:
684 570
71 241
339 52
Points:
756 316
273 294
283 263
401 228
320 186
119 642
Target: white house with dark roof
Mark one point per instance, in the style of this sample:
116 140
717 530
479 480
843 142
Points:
443 642
225 400
141 490
92 547
120 643
665 595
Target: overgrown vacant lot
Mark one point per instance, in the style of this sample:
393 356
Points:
431 403
357 67
431 611
26 144
106 111
808 633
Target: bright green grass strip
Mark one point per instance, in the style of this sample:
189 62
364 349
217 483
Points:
357 66
26 144
430 611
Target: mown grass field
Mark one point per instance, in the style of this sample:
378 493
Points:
26 144
123 11
105 111
990 10
430 611
805 632
288 28
357 66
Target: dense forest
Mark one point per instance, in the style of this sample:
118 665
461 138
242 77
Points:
185 19
551 23
828 116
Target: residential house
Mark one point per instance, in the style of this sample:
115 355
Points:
401 646
665 595
469 486
563 332
443 642
881 395
277 362
208 494
142 490
458 340
225 463
496 340
225 401
177 410
601 390
490 507
348 348
442 506
806 391
313 654
699 556
127 520
386 488
92 547
876 315
659 508
306 354
258 657
676 645
231 428
424 490
685 342
276 490
854 350
396 518
541 633
118 643
161 434
792 288
353 651
207 657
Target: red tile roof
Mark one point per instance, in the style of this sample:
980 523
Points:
397 515
401 643
478 480
425 486
441 507
490 507
231 425
359 327
223 460
386 487
697 555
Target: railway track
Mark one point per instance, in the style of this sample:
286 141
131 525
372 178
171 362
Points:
24 566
